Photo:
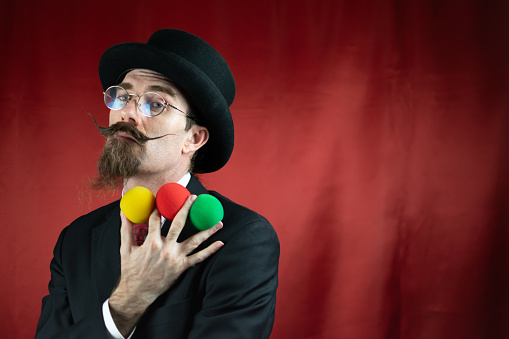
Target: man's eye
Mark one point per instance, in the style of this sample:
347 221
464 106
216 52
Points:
156 105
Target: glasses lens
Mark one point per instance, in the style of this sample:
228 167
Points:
151 104
116 97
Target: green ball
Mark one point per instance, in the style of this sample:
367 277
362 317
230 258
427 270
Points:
206 212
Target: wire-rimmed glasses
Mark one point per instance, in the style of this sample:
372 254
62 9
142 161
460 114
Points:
150 104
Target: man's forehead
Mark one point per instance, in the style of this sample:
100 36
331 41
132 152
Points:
153 81
147 73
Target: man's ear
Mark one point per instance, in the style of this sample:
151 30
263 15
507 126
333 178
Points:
198 136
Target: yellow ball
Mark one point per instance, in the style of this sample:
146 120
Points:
137 204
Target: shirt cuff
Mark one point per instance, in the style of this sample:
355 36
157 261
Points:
113 332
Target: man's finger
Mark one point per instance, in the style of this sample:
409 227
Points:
180 219
196 240
154 224
204 254
126 234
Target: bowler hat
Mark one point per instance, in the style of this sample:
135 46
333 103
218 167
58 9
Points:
198 70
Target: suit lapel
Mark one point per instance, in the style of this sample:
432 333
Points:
105 256
195 187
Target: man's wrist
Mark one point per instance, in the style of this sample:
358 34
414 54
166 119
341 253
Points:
113 332
125 311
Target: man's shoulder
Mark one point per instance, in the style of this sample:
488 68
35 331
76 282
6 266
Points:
96 216
232 211
242 216
237 210
77 236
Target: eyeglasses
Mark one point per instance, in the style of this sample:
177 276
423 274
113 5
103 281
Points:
150 104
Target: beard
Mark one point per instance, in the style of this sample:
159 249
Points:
120 160
121 157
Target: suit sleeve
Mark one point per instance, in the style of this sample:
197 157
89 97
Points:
241 286
56 320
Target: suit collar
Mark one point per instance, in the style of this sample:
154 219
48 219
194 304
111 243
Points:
195 186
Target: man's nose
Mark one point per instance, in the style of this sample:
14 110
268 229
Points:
130 112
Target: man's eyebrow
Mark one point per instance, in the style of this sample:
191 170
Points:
167 90
125 85
153 88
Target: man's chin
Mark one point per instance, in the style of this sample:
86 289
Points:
120 160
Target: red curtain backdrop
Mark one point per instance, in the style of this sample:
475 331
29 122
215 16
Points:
374 135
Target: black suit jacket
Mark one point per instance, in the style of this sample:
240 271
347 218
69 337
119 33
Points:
232 294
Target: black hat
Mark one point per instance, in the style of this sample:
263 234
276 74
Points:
198 70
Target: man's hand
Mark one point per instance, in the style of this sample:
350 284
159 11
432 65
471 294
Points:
149 270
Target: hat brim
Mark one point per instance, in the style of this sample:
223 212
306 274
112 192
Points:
213 110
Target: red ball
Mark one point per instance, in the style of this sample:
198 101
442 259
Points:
170 198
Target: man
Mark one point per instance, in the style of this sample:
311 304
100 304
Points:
169 116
